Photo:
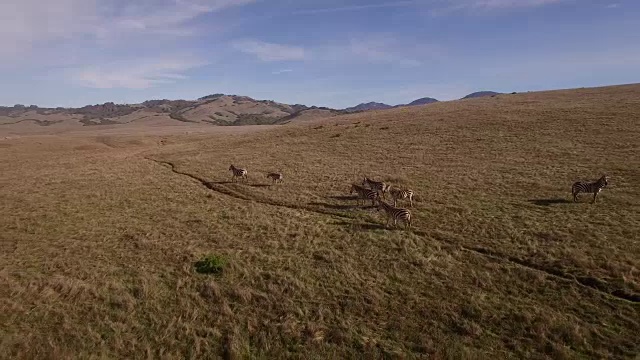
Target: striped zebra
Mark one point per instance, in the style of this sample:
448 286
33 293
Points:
364 194
276 177
395 213
397 193
587 187
378 186
237 172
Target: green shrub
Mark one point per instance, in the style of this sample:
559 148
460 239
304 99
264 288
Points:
210 264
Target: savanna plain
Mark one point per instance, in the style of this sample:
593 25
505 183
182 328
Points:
100 230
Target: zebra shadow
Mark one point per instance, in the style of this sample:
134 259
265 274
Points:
343 197
335 206
548 202
362 227
260 185
219 182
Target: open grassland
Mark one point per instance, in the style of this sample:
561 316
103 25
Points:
100 234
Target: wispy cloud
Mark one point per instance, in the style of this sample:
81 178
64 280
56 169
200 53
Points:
357 7
161 17
278 72
509 3
376 50
612 6
134 75
267 51
451 6
27 24
381 48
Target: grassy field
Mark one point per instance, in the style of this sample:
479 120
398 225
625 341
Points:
101 233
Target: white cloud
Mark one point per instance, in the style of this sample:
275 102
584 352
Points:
266 51
162 17
134 75
612 6
27 24
24 23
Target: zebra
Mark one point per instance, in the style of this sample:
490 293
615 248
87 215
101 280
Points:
395 213
378 186
586 187
237 172
364 194
397 193
276 177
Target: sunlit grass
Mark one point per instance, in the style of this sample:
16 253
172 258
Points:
100 237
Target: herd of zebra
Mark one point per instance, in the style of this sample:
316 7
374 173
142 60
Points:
371 190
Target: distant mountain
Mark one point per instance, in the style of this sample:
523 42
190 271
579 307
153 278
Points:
421 101
215 109
368 106
381 106
481 94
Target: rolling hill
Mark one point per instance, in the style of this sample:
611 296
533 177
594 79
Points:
105 237
217 109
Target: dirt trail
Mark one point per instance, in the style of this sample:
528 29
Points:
595 284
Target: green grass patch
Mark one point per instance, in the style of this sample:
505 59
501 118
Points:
210 264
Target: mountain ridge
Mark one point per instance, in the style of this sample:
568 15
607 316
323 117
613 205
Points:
215 109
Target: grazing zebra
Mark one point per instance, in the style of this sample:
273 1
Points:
378 186
586 187
397 193
276 177
238 172
395 214
364 194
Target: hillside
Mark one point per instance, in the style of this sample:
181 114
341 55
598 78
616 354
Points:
217 109
103 236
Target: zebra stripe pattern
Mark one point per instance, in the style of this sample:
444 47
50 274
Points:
378 186
397 214
276 177
237 172
397 193
364 194
588 188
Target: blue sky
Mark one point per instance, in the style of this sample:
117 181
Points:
325 53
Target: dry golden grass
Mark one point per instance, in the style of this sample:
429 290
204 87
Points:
100 234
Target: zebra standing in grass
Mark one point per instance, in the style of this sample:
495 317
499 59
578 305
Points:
397 193
276 177
395 214
238 172
378 186
587 187
364 194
